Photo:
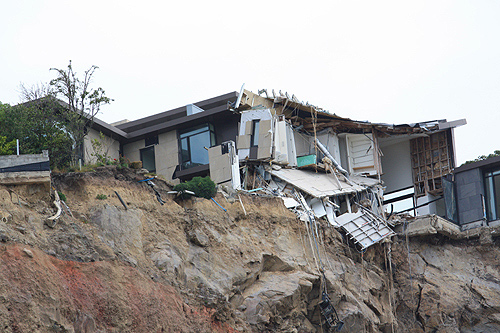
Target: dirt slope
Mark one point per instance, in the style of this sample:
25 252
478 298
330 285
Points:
191 267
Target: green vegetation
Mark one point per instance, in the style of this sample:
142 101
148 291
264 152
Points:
483 157
101 197
202 187
6 148
83 102
38 127
62 196
54 117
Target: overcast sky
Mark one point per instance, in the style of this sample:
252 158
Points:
381 61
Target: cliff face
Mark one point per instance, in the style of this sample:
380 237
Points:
191 267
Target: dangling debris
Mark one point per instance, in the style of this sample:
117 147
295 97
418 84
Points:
364 228
152 185
332 321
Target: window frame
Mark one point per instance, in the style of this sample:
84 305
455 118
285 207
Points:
254 140
491 193
145 149
186 134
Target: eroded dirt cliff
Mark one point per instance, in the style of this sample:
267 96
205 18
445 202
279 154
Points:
191 267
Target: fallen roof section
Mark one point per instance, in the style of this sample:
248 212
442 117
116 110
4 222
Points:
321 185
301 115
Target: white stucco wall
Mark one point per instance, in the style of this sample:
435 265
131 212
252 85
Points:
131 150
396 164
166 153
110 147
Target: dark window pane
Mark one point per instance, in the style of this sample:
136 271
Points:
490 198
496 182
193 142
255 133
148 158
197 144
151 140
450 200
212 139
184 151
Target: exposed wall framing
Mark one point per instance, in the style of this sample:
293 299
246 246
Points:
431 158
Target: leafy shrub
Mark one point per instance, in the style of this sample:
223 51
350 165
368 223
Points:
101 197
62 196
6 148
203 187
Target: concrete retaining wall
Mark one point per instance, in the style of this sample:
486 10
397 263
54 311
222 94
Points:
8 161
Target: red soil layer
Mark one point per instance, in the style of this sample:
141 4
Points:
44 291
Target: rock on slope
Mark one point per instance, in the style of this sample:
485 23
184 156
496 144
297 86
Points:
191 267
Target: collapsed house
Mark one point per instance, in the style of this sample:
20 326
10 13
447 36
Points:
323 166
333 167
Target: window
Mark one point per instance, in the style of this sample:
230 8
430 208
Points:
492 198
255 132
193 142
148 158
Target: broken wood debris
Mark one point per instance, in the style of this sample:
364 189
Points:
51 221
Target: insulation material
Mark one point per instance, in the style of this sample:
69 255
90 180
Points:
364 228
362 154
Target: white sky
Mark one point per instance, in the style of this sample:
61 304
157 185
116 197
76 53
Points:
381 61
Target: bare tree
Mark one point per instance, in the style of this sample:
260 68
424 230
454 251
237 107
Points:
83 102
35 92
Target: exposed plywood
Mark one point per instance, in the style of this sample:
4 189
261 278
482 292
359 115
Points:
431 159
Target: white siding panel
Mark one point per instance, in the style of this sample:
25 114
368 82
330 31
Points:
361 154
